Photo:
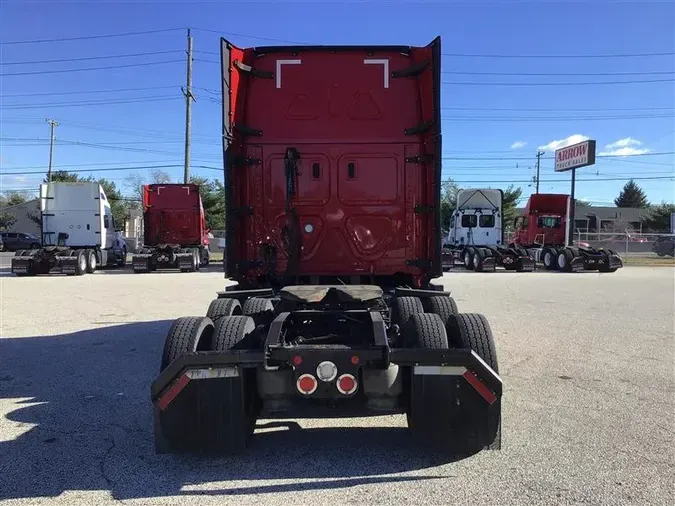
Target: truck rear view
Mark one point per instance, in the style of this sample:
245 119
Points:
332 173
174 229
78 232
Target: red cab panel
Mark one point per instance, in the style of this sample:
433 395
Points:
332 162
173 214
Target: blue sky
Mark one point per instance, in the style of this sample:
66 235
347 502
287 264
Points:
483 117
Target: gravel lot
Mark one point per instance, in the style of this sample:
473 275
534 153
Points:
586 359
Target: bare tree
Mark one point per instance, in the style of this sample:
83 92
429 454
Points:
135 181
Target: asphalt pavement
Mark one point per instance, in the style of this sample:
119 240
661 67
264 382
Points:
586 360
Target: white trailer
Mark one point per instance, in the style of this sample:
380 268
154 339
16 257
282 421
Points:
78 232
476 235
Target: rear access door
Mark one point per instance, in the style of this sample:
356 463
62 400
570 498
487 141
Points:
333 161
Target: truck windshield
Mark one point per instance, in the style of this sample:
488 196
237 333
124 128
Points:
548 222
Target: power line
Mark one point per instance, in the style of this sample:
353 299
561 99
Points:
523 181
87 58
88 37
111 169
579 83
18 107
85 92
528 109
87 69
457 55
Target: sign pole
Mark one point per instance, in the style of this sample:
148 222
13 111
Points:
571 158
572 209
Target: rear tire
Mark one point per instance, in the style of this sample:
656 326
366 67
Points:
445 307
257 305
223 307
230 333
187 334
404 308
92 261
473 331
426 330
81 262
467 257
549 258
564 260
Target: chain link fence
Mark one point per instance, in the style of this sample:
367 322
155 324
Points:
630 244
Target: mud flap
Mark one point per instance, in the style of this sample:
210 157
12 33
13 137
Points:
22 265
203 411
67 264
185 261
140 262
525 264
452 410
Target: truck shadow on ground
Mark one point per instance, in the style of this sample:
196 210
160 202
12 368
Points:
77 416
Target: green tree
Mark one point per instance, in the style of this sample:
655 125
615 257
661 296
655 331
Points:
118 204
12 198
509 203
632 196
659 217
213 200
449 191
7 221
63 176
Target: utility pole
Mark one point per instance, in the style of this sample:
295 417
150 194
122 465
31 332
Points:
187 91
52 124
539 155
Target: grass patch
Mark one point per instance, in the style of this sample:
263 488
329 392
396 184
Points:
650 261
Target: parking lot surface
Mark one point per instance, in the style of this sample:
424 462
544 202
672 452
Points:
586 360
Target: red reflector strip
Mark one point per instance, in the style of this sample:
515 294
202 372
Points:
172 392
479 387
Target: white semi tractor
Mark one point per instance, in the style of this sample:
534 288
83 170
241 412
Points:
78 232
476 236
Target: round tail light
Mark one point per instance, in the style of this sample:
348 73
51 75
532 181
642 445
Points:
307 384
346 384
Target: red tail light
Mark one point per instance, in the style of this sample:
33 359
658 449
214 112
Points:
346 384
307 384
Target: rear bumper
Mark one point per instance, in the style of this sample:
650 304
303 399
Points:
31 265
596 261
452 398
451 364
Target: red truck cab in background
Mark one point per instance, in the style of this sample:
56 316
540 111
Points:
543 230
174 229
544 221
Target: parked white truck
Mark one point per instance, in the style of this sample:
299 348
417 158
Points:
78 232
476 235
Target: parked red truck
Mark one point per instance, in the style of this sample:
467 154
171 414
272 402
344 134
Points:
333 174
543 229
174 229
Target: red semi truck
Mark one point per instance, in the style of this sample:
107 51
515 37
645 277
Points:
333 176
543 229
174 229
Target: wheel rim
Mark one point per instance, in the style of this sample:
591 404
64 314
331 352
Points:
475 261
92 260
467 259
562 261
547 258
83 262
